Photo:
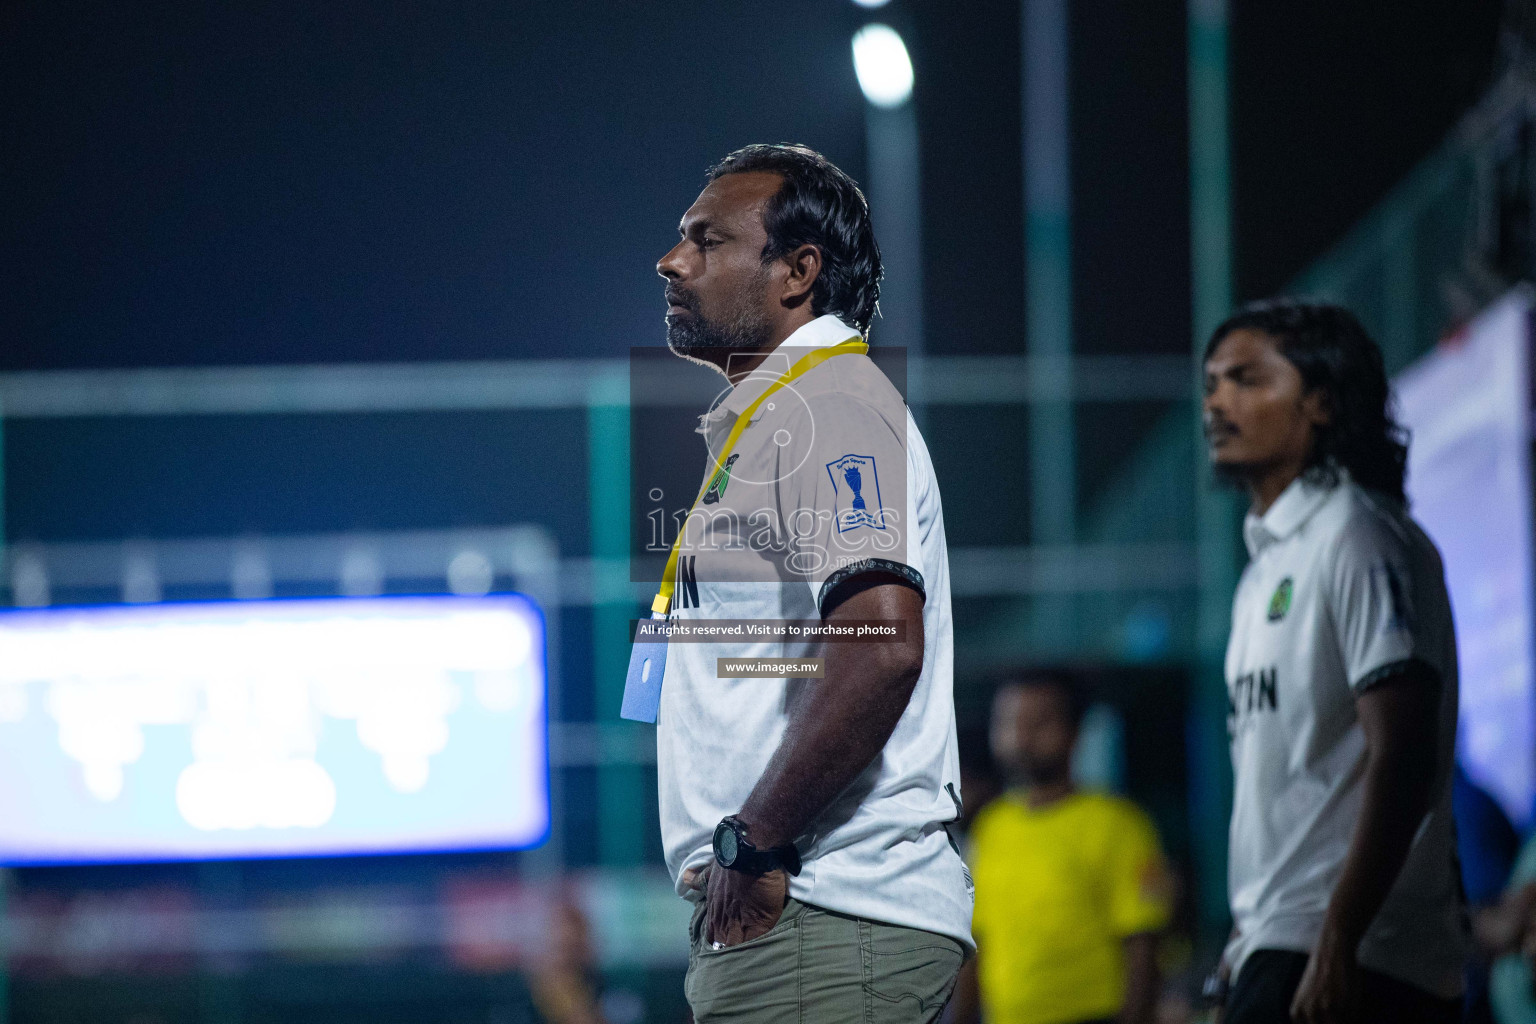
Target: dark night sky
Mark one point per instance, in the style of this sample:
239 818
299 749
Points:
293 182
1333 104
302 182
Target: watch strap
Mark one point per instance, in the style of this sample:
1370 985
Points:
750 859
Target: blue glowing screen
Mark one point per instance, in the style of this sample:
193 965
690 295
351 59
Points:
272 728
1469 477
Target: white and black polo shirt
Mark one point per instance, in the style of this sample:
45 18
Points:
1342 589
828 489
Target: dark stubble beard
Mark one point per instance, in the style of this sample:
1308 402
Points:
744 329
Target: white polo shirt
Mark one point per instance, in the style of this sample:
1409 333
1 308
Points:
1342 589
832 478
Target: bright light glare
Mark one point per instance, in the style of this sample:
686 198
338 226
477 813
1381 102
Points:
881 63
871 4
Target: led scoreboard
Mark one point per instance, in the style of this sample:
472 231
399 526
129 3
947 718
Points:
272 728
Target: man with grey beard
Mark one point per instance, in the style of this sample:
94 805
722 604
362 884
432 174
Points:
803 805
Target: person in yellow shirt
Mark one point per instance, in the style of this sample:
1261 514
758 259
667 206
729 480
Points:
1071 886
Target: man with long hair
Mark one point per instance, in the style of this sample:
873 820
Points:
1341 683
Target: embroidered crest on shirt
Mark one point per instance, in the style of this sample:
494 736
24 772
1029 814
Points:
1281 602
856 493
718 482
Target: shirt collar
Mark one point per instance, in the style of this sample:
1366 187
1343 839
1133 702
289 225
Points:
823 332
1290 511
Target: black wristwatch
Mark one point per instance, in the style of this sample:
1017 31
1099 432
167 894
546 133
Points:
735 851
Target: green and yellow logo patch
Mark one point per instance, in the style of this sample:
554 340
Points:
1281 602
719 481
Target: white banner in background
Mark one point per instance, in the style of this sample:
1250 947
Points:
1469 479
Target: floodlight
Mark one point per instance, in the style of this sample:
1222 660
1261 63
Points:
881 63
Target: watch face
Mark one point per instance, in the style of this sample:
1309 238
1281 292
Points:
726 846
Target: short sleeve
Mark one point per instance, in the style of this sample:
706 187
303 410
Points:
1376 601
844 501
1140 885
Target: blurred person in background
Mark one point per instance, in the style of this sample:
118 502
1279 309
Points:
1506 934
1072 888
562 976
1341 682
1487 846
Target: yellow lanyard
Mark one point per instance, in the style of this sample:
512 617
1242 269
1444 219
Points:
855 345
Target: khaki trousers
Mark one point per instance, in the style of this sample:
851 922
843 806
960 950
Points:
819 967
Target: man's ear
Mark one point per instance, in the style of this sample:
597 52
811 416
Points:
804 267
